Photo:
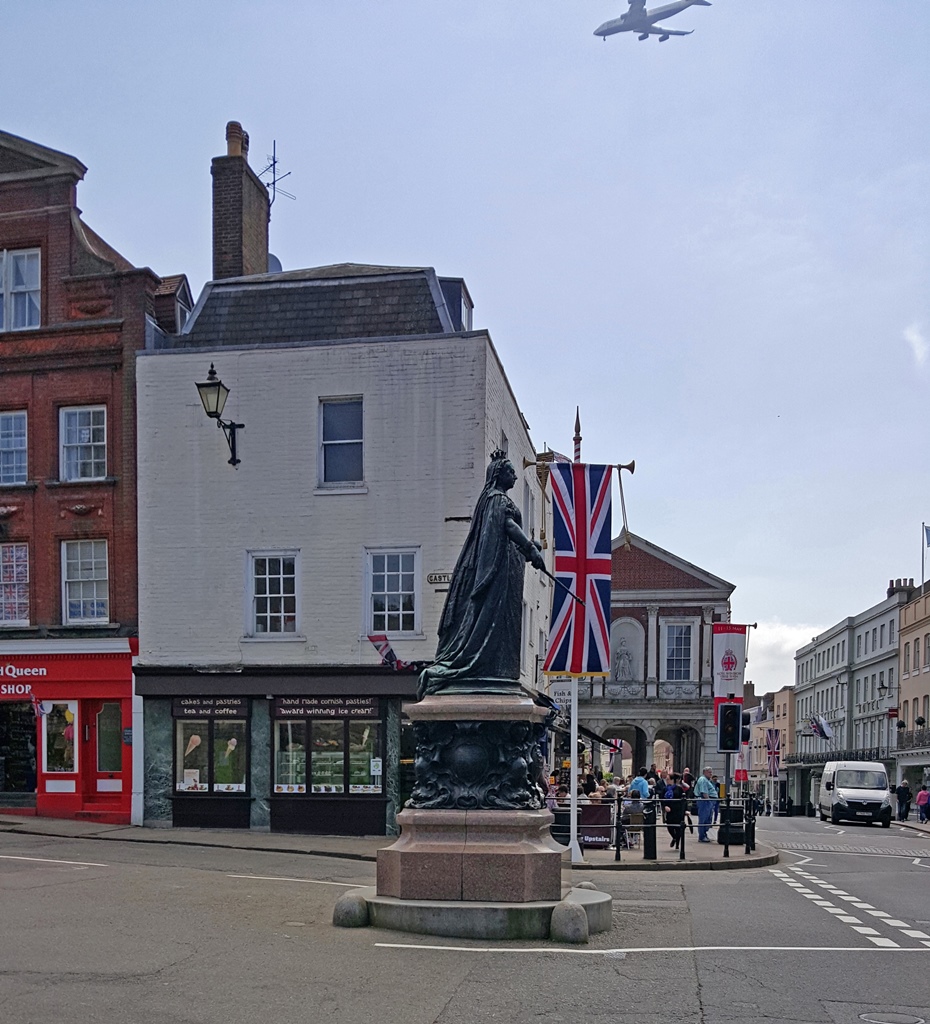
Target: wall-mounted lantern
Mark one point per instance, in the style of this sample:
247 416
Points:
213 393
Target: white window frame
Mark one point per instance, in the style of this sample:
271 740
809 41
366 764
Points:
8 290
321 468
370 626
8 433
664 624
251 632
8 569
66 617
63 414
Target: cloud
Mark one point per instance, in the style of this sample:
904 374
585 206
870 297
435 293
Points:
770 665
914 337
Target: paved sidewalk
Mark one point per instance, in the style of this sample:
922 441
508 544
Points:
706 856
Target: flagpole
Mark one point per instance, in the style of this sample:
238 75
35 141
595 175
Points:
923 552
577 857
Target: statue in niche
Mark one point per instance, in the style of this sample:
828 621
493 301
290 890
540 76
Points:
480 628
623 662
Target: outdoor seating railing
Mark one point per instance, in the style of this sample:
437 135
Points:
605 827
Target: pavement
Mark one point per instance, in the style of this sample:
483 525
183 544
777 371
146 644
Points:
698 856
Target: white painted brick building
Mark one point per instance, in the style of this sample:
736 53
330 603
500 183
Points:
361 460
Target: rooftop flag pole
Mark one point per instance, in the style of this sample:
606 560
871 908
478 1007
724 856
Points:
577 434
925 537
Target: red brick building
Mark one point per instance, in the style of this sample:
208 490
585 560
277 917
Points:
73 312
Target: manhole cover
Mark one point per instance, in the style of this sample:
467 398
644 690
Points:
891 1018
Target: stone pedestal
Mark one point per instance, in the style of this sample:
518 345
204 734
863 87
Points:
476 828
487 856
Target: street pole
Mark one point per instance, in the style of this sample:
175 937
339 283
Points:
577 857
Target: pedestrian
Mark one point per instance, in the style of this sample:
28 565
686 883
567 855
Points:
903 793
673 808
716 783
768 807
706 798
640 785
687 779
923 797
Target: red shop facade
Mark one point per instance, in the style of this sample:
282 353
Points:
66 730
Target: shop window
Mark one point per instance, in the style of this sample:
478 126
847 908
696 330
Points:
20 289
85 580
83 443
393 591
59 724
335 756
13 448
18 746
274 593
341 441
14 584
211 755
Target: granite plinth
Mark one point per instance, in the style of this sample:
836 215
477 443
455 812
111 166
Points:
476 707
480 920
489 856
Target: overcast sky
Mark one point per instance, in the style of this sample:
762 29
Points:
717 246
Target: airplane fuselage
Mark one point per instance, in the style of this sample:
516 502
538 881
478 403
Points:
640 20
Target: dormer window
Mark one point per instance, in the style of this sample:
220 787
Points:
20 291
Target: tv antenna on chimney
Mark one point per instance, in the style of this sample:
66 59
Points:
272 185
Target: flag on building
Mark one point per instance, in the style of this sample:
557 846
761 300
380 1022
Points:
773 749
579 635
388 657
926 535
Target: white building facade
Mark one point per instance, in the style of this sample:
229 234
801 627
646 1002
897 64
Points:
848 677
266 704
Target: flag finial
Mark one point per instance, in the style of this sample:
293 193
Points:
577 434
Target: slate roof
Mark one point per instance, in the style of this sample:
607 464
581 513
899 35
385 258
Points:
318 305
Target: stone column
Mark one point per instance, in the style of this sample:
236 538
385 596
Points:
260 733
652 647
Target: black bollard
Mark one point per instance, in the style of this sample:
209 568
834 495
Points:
618 828
749 822
649 830
684 829
726 829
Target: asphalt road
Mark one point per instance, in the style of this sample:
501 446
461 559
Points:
131 933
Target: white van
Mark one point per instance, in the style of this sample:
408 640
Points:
855 791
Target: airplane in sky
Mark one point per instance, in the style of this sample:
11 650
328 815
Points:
637 19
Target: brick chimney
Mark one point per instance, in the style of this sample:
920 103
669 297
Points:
241 211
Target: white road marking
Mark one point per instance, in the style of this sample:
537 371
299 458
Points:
896 924
846 919
48 860
915 934
865 930
652 949
864 906
879 913
885 943
309 881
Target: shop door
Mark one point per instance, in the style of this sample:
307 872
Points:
102 752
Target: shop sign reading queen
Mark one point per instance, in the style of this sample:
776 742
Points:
17 672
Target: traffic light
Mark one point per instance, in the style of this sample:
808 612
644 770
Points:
745 732
729 728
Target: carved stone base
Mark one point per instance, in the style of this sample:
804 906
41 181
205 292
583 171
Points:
483 856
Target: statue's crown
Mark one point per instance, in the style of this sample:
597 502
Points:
498 454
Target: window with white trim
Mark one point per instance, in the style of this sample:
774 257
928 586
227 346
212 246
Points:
85 581
679 651
20 289
13 466
341 441
14 584
273 582
83 443
393 591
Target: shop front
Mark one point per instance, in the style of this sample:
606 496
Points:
308 752
66 730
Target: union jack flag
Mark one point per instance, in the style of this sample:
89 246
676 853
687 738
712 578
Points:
773 748
579 635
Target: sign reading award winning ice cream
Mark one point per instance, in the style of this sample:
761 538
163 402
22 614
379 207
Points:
326 707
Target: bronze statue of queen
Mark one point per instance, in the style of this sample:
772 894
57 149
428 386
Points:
480 628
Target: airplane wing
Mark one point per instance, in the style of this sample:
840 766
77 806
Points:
657 30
